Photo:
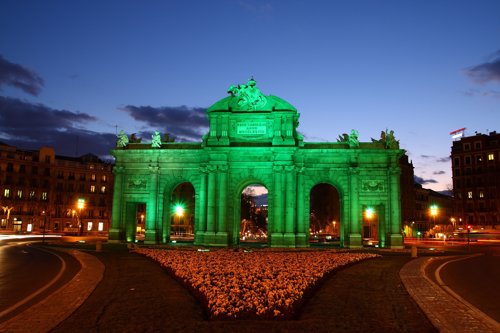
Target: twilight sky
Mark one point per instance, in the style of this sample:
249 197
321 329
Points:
72 73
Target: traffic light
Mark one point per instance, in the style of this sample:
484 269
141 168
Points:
469 227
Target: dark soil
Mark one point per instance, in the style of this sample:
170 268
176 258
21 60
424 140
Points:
137 295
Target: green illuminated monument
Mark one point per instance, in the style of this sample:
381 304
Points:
253 139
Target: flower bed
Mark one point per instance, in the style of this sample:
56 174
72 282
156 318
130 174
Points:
251 284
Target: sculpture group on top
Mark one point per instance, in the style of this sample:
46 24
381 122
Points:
249 96
156 139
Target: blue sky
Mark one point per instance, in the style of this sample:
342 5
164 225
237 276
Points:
74 72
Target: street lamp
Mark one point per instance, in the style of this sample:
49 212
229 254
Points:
369 214
80 205
434 212
179 212
44 226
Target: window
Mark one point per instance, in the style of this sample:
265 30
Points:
44 196
71 176
101 213
10 167
479 158
60 174
92 188
89 226
92 177
457 172
81 189
32 194
477 145
467 160
457 161
491 157
469 194
19 194
22 168
103 189
82 176
466 146
481 194
6 193
104 178
101 226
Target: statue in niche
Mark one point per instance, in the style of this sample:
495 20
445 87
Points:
353 139
135 139
122 139
249 96
156 140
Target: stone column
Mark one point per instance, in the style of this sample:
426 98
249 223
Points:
210 233
277 230
201 228
150 236
116 232
395 237
302 232
355 225
222 204
290 198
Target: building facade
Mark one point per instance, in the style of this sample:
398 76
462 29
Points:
253 139
476 180
40 192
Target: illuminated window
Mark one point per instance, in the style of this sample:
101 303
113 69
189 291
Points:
92 188
491 157
92 177
104 178
469 194
479 158
103 189
32 194
481 194
6 193
20 194
89 226
44 196
101 226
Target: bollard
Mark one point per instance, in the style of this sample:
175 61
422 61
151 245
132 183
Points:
413 251
98 246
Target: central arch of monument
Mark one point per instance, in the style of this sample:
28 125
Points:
253 139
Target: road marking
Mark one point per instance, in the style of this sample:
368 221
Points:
478 312
39 291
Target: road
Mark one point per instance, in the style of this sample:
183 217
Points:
28 273
474 278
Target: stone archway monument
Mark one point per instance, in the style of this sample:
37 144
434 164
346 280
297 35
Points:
253 139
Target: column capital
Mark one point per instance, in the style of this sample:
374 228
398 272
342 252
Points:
118 170
154 169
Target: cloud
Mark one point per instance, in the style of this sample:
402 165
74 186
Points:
185 123
487 71
20 77
30 126
441 172
475 92
426 156
423 181
445 159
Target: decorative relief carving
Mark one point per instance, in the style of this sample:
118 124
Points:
137 184
373 186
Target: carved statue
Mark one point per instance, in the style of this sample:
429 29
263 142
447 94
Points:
249 96
135 139
388 139
122 139
353 139
344 137
156 140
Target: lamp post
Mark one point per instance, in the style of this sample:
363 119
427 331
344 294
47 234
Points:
6 211
433 213
80 205
44 226
369 213
179 212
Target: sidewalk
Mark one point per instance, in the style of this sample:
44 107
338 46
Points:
444 311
